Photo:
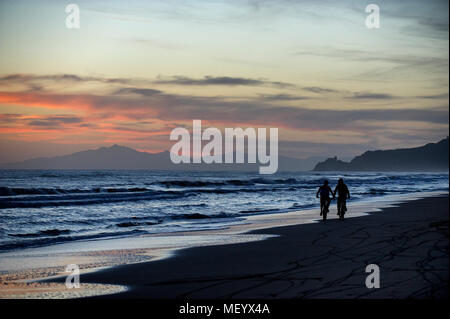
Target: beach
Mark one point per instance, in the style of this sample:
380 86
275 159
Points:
300 258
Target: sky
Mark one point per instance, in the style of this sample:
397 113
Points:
135 70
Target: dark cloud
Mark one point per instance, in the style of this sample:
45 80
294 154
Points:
171 107
33 79
433 97
223 80
281 97
266 110
375 96
55 121
181 108
140 91
316 89
26 78
89 125
186 108
52 121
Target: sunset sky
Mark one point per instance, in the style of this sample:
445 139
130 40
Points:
135 70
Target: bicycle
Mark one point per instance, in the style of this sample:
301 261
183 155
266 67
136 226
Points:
324 204
341 209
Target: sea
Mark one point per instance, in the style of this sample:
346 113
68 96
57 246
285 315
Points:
45 207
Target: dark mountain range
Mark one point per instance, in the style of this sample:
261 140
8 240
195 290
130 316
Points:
121 157
430 157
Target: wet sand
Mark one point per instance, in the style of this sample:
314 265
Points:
409 243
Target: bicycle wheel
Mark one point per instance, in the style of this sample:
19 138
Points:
341 210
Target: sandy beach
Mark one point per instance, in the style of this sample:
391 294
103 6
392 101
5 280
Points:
289 255
408 242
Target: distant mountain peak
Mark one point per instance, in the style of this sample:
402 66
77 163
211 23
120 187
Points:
123 157
429 157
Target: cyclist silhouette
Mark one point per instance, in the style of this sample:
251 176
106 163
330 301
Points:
325 199
343 194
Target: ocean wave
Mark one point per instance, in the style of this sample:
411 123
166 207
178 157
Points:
183 183
200 216
47 232
375 191
134 224
68 206
191 216
50 240
15 191
87 199
256 210
193 205
229 182
111 197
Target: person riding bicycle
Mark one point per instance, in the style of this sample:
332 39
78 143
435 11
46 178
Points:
343 194
325 199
